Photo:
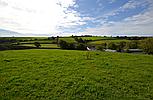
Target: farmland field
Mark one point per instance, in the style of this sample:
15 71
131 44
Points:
108 41
42 45
67 74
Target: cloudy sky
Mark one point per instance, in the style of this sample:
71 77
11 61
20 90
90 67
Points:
77 17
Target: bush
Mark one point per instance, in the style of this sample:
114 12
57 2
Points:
112 46
66 45
81 46
147 45
63 44
79 40
101 48
37 44
132 45
121 46
104 45
72 46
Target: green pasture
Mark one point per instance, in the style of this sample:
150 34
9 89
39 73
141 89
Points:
94 38
69 75
42 45
107 41
68 39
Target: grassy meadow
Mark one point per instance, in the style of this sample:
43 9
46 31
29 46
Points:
68 75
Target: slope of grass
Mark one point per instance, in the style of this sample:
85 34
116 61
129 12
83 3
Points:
94 38
63 74
68 39
42 45
107 41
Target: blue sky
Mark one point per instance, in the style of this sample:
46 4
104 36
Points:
76 17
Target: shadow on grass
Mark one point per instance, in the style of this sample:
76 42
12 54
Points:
14 47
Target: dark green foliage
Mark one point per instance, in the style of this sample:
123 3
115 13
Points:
72 46
51 38
79 40
63 44
100 47
6 46
57 39
121 46
66 45
81 46
112 46
147 45
104 45
132 45
37 44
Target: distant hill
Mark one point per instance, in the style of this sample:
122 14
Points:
8 33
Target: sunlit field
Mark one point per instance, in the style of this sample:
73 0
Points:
68 74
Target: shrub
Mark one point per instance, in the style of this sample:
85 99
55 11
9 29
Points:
104 45
101 48
66 45
63 44
71 46
112 46
79 40
147 45
37 44
121 46
132 45
81 46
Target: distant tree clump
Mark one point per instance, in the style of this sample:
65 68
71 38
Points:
72 46
66 45
147 45
37 44
121 46
132 45
79 40
104 45
63 44
81 46
101 48
112 46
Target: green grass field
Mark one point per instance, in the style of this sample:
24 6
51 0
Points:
69 75
68 39
107 41
42 45
97 38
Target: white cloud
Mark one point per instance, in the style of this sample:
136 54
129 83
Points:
140 24
38 16
131 4
3 3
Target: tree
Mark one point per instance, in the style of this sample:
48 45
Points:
112 46
79 40
37 44
121 46
100 47
104 45
57 40
66 45
63 44
147 45
81 46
